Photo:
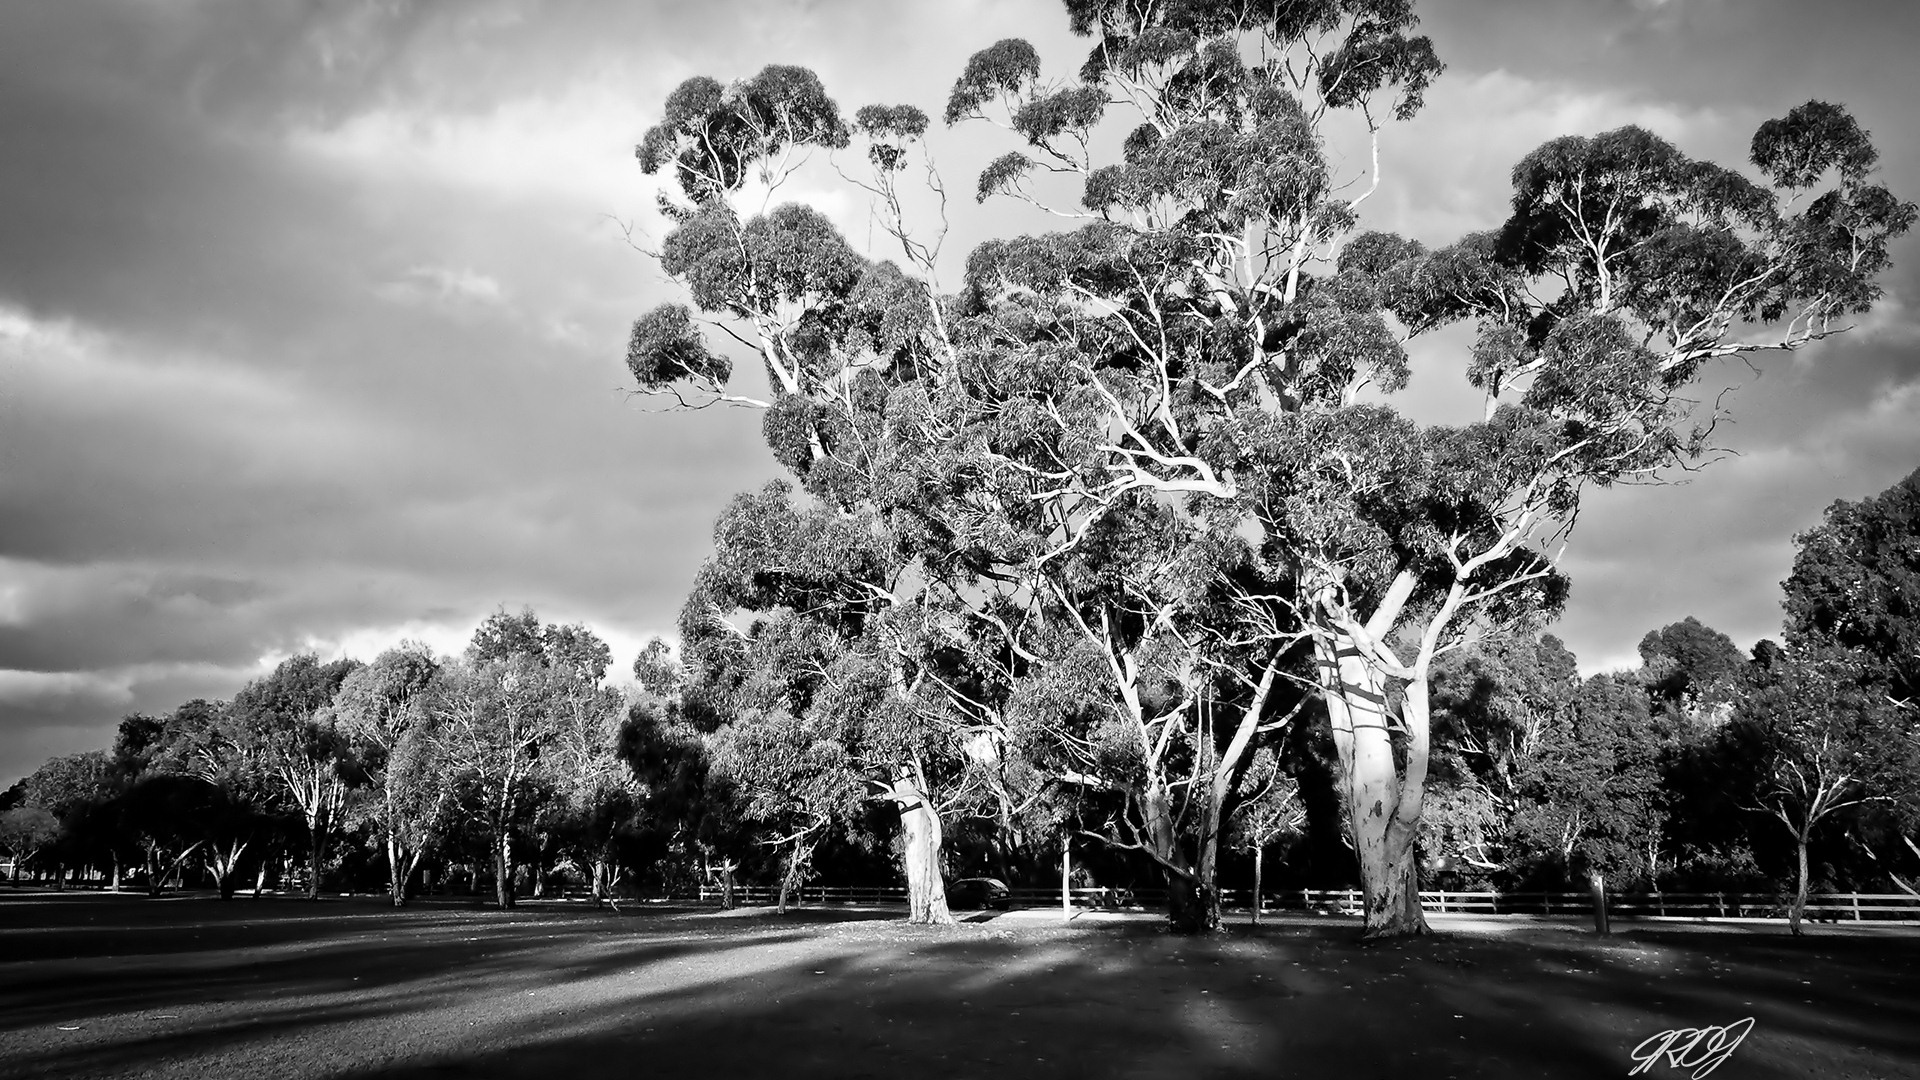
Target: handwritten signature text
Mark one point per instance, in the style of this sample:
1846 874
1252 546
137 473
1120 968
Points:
1699 1049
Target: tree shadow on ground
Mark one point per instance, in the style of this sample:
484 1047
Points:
829 993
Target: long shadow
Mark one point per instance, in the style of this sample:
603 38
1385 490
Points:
843 994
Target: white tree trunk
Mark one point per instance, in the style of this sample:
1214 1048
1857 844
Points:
921 837
1382 801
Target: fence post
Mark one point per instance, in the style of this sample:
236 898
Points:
1546 901
1856 906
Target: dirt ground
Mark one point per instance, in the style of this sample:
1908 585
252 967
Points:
117 986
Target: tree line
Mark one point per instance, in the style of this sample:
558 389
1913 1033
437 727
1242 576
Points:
505 760
516 764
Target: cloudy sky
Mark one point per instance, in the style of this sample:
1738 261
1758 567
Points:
312 313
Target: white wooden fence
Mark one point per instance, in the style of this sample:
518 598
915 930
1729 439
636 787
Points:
1853 907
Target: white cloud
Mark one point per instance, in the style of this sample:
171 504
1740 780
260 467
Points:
427 284
575 144
1446 172
43 687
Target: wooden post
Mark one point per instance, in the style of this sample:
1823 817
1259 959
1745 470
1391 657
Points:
1856 906
1597 888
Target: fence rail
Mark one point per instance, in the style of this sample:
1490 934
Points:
1848 907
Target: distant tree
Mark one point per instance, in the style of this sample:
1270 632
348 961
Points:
236 814
1694 672
382 709
693 815
24 832
1495 705
1269 812
80 790
290 713
499 713
1592 802
598 796
1856 585
1833 744
794 780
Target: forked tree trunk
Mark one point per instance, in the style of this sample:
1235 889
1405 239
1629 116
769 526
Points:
225 867
1224 772
1193 907
797 856
400 866
921 837
1382 801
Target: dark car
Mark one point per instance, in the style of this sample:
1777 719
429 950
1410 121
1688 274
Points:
968 894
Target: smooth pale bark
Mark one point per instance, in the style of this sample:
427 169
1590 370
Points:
223 864
1799 910
317 839
600 886
1066 879
797 856
503 868
1225 773
1259 860
921 837
1382 800
1597 888
401 862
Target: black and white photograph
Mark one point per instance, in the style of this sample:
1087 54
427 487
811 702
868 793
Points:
1209 539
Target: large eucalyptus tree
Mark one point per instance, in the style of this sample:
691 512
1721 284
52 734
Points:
1239 336
1159 447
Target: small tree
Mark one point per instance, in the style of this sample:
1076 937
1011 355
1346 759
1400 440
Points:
1270 811
290 714
1497 705
81 791
598 793
794 780
1591 803
1833 745
1693 671
382 708
236 812
24 832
